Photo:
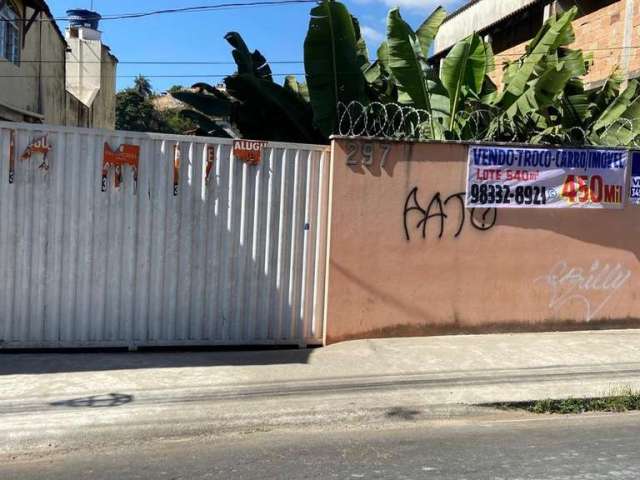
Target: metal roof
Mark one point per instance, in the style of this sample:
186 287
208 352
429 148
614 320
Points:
471 3
461 9
450 33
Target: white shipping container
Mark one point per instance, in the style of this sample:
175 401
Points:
235 260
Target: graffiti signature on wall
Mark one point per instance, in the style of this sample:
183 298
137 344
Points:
439 211
593 286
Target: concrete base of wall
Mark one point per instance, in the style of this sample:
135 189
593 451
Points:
514 327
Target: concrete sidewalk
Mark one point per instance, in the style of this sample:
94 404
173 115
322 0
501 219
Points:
64 401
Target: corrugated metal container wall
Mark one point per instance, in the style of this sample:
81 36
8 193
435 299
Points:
235 260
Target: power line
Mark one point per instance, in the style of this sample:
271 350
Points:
204 75
190 75
164 62
275 62
196 75
201 8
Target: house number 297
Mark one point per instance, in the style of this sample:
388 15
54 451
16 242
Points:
366 154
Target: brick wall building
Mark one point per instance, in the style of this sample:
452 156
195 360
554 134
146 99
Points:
609 30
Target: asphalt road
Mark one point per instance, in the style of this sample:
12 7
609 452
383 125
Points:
587 447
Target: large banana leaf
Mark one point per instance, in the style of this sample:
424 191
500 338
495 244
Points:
489 92
331 63
627 128
405 60
440 109
554 33
383 56
464 70
362 54
394 92
618 107
209 104
554 80
429 28
574 105
576 110
606 94
549 85
618 124
247 62
206 124
281 113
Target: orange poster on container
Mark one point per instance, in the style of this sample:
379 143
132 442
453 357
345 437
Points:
211 157
118 158
177 157
38 145
12 155
249 151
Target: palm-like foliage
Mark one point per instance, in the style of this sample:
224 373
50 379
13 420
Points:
252 103
334 54
542 98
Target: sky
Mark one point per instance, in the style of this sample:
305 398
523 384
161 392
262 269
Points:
277 31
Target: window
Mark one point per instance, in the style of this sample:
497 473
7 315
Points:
9 33
517 30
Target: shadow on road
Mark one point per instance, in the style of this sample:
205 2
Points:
403 413
43 363
96 401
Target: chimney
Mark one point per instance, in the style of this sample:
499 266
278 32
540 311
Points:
84 55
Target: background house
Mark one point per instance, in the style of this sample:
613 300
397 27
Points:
166 103
50 77
609 29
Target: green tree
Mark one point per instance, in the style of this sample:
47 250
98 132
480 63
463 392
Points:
142 86
135 112
171 121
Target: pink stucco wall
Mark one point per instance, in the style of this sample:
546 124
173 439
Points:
519 269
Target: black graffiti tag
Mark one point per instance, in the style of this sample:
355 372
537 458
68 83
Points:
487 220
437 209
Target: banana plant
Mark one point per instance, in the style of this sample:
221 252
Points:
407 62
254 105
462 80
521 75
333 57
619 123
405 54
463 74
248 62
542 98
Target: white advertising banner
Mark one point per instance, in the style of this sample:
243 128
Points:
634 194
521 177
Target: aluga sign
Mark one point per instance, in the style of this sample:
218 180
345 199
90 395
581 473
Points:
503 177
249 151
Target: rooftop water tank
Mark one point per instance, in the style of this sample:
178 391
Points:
83 18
